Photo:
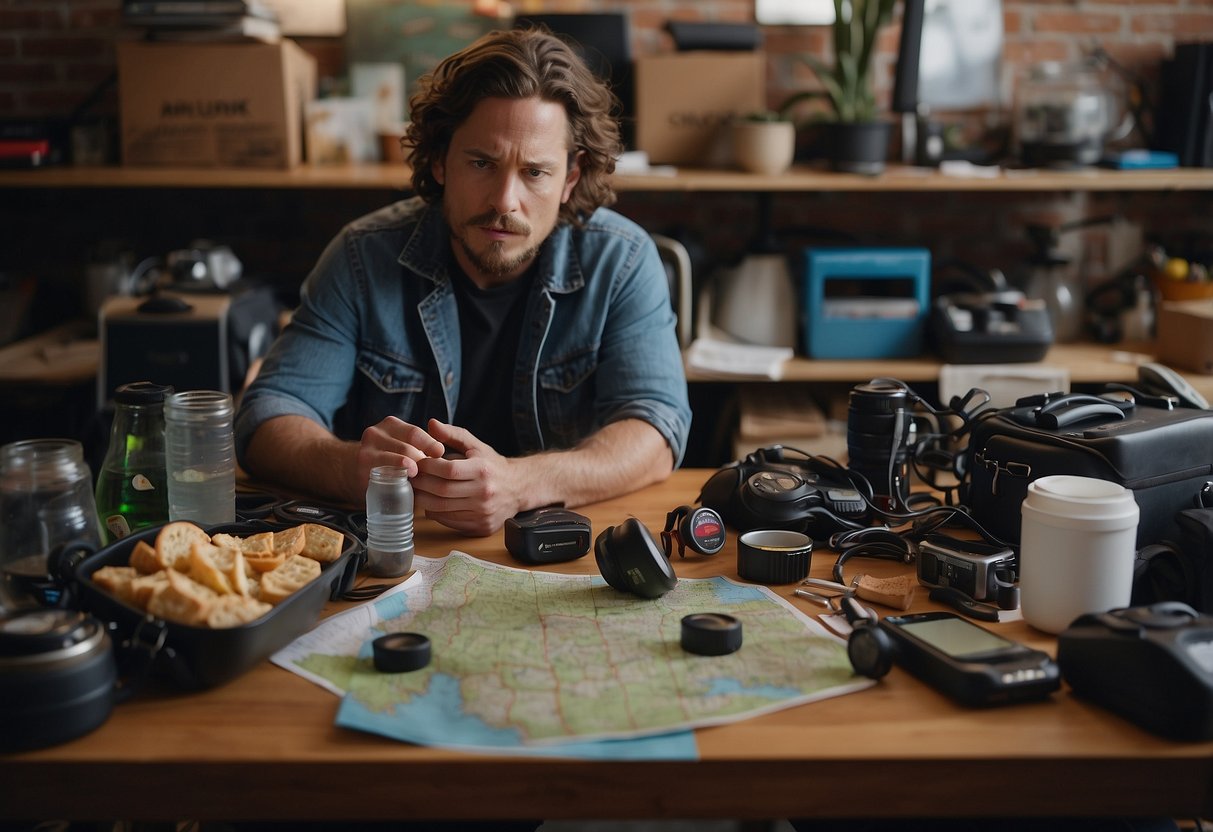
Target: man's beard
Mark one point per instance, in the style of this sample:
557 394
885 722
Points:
492 261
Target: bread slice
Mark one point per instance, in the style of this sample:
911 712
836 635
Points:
230 562
258 562
183 601
205 570
321 543
116 580
291 576
145 586
174 541
234 610
145 559
262 542
289 541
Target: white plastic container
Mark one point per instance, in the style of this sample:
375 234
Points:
1077 545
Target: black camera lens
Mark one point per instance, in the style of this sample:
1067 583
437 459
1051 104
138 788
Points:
879 424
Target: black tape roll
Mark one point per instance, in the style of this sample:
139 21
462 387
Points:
710 634
401 652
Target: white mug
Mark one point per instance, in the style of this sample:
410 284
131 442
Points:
1077 545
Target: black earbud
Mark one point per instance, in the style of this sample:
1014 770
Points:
868 647
630 560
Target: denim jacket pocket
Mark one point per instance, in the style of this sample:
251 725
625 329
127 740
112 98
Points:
387 386
566 393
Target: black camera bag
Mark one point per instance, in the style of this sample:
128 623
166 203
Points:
1164 456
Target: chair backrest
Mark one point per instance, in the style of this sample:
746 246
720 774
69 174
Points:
677 264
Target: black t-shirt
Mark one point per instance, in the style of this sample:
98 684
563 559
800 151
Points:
490 327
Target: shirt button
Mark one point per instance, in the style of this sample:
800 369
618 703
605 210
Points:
450 378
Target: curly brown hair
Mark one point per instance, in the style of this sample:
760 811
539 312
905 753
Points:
518 63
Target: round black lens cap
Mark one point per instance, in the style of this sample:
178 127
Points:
711 634
401 652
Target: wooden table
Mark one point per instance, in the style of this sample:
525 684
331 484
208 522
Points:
265 746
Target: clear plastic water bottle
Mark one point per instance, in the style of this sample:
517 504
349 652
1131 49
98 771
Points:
200 457
131 489
389 522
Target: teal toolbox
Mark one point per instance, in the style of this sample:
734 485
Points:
865 302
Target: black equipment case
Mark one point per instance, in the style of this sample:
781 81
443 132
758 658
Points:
1164 456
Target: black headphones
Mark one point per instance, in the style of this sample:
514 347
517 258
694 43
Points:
769 489
630 560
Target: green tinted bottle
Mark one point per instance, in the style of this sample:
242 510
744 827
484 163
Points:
132 492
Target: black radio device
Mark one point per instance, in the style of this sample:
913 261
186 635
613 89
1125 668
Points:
1153 665
770 490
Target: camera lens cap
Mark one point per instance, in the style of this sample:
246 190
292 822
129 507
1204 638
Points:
401 652
710 634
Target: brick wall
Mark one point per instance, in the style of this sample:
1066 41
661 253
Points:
53 53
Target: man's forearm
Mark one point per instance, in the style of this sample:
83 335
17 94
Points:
299 454
620 458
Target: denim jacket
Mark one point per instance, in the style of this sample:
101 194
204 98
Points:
377 334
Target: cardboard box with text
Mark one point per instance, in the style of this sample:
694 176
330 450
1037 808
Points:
213 104
685 100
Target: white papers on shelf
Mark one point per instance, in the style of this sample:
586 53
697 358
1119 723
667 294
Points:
713 356
871 308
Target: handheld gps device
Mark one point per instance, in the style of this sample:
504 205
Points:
969 663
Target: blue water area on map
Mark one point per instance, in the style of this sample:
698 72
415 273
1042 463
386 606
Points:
730 687
439 714
393 606
730 593
437 718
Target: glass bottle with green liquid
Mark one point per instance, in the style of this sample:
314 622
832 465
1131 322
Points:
132 489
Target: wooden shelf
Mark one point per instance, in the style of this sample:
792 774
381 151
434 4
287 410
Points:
1086 364
799 179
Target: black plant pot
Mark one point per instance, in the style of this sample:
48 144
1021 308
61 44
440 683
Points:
858 147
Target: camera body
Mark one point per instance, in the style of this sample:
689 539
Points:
768 490
968 565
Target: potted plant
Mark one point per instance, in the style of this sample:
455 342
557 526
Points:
764 142
857 139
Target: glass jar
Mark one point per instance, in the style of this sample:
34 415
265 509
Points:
200 457
46 500
389 522
1064 113
131 489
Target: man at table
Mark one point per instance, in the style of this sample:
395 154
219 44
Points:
503 335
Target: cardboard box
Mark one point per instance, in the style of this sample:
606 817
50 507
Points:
685 100
1185 334
214 104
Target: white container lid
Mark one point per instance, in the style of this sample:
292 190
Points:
1072 502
